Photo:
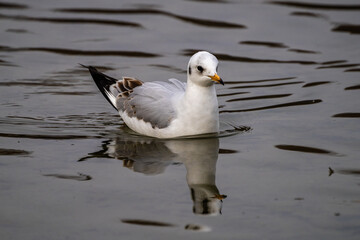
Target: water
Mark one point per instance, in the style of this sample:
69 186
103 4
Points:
286 165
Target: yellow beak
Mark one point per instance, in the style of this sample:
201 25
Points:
217 79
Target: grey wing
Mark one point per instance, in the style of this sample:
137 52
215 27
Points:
152 102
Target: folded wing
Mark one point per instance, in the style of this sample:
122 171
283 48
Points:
152 102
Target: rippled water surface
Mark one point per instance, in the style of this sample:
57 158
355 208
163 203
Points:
285 166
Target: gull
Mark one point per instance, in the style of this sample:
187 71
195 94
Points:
167 109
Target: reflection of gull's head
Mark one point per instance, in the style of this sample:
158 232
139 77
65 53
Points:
198 155
206 198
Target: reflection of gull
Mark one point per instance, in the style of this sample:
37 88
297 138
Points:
199 157
152 157
147 157
167 109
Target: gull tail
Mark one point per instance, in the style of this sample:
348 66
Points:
104 83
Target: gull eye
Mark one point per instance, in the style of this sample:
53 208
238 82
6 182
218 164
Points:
200 68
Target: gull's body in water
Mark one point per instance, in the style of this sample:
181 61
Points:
167 109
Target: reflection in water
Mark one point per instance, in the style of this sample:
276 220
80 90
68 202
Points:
152 156
197 227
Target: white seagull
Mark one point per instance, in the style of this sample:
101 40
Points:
167 109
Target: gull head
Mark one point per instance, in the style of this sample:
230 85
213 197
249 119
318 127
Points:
202 69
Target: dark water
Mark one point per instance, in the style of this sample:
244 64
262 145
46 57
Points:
285 167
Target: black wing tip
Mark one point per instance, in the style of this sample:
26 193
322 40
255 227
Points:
102 81
87 66
90 68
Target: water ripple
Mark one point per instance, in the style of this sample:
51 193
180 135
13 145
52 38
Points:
227 151
6 5
6 63
33 82
355 87
347 115
209 1
79 177
308 14
10 152
350 28
313 84
334 62
277 45
75 93
168 68
352 70
290 104
355 172
66 51
303 51
196 21
72 20
13 30
231 94
261 80
49 137
266 44
305 149
259 97
147 223
227 57
88 126
339 66
318 6
267 85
